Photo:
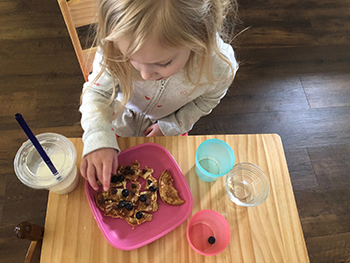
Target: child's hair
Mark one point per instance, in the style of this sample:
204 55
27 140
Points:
191 24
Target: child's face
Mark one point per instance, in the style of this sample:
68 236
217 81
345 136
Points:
156 62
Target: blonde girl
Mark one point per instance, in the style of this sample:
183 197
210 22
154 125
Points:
160 66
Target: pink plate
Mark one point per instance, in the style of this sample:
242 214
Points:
117 231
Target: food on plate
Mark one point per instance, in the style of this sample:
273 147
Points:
130 172
138 218
146 172
167 191
150 204
117 202
125 200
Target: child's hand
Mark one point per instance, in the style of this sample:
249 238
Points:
153 131
99 164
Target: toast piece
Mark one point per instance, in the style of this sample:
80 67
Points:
167 191
134 192
150 204
146 172
134 221
130 172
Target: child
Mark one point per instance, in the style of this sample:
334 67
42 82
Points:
160 66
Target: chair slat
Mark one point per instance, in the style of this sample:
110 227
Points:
78 13
85 17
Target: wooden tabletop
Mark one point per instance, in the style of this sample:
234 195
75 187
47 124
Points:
270 232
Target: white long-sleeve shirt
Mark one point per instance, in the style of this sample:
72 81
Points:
175 104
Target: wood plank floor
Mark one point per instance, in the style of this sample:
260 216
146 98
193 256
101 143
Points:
294 80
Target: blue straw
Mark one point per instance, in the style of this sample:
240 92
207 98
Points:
36 143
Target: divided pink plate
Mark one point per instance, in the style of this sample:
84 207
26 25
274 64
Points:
119 233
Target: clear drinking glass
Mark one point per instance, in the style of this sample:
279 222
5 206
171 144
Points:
247 185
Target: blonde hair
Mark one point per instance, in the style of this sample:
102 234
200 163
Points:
191 24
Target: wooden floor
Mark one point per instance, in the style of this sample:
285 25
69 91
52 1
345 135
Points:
294 80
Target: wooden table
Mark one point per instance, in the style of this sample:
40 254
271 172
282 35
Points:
269 233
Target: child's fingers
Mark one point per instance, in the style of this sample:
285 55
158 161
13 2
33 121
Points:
83 166
149 134
148 131
91 176
98 172
115 164
106 174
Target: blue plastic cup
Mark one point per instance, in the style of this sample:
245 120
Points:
214 158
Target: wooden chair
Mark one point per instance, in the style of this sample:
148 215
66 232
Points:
34 233
76 14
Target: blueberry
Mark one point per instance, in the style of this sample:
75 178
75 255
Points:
125 192
143 198
128 167
114 191
132 172
114 179
152 188
129 206
120 178
122 204
211 240
139 215
133 185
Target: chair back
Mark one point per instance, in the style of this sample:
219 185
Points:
77 14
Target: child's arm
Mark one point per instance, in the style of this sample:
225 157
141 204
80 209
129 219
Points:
97 112
184 118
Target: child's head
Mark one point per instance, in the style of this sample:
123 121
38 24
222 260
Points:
130 30
155 61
